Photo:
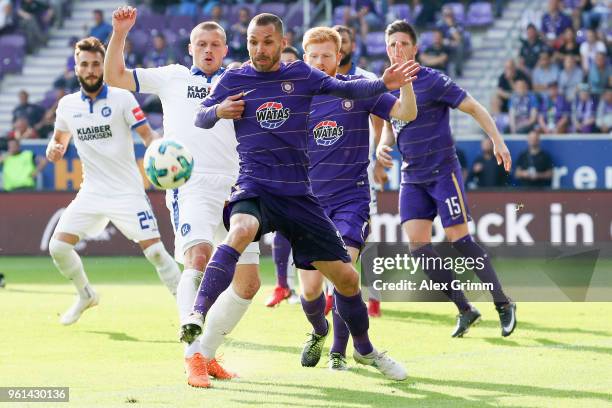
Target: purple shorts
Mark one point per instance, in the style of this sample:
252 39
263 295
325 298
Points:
444 196
352 219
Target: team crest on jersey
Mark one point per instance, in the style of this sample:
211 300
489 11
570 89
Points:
271 115
106 111
347 104
185 228
287 87
327 132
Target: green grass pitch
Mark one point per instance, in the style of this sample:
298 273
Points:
124 353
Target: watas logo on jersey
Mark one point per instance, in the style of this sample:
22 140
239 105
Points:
271 115
327 132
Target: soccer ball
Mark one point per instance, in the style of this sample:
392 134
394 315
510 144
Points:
168 164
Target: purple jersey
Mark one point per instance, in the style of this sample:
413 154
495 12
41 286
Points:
426 144
272 132
339 142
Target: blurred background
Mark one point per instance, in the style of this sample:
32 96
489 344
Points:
542 68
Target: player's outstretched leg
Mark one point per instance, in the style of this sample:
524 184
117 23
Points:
225 314
504 306
354 312
167 270
281 248
69 264
337 353
195 363
219 272
468 314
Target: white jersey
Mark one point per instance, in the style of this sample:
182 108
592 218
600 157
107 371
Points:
181 91
101 130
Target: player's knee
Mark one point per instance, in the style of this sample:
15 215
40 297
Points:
59 250
347 282
155 253
197 258
243 233
311 291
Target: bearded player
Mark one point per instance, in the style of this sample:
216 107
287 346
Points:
100 119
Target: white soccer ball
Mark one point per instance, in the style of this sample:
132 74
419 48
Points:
168 164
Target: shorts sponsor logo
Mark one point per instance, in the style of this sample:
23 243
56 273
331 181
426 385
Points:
185 229
94 133
327 132
271 115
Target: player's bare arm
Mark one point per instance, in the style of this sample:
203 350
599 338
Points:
57 145
473 108
115 72
147 134
406 108
384 148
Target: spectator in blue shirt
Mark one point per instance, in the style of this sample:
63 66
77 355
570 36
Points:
523 108
544 74
555 111
161 54
101 30
599 75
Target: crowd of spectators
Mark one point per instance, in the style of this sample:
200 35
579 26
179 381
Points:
559 81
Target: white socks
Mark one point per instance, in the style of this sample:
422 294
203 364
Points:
222 317
167 270
185 296
69 264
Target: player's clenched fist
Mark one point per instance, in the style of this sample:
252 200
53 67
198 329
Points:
231 108
124 19
55 151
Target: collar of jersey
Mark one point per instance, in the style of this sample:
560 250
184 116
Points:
103 94
352 70
197 71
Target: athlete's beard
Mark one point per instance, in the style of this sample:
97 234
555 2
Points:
91 88
346 59
274 60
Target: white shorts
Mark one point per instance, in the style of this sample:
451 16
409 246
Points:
196 212
88 214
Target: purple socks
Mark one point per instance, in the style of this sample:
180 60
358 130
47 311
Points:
217 277
443 275
281 248
469 248
315 313
341 332
354 312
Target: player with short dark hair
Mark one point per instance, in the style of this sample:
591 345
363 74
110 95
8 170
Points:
432 183
100 119
269 102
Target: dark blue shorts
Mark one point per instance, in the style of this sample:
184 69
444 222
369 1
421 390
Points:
444 196
301 219
352 219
